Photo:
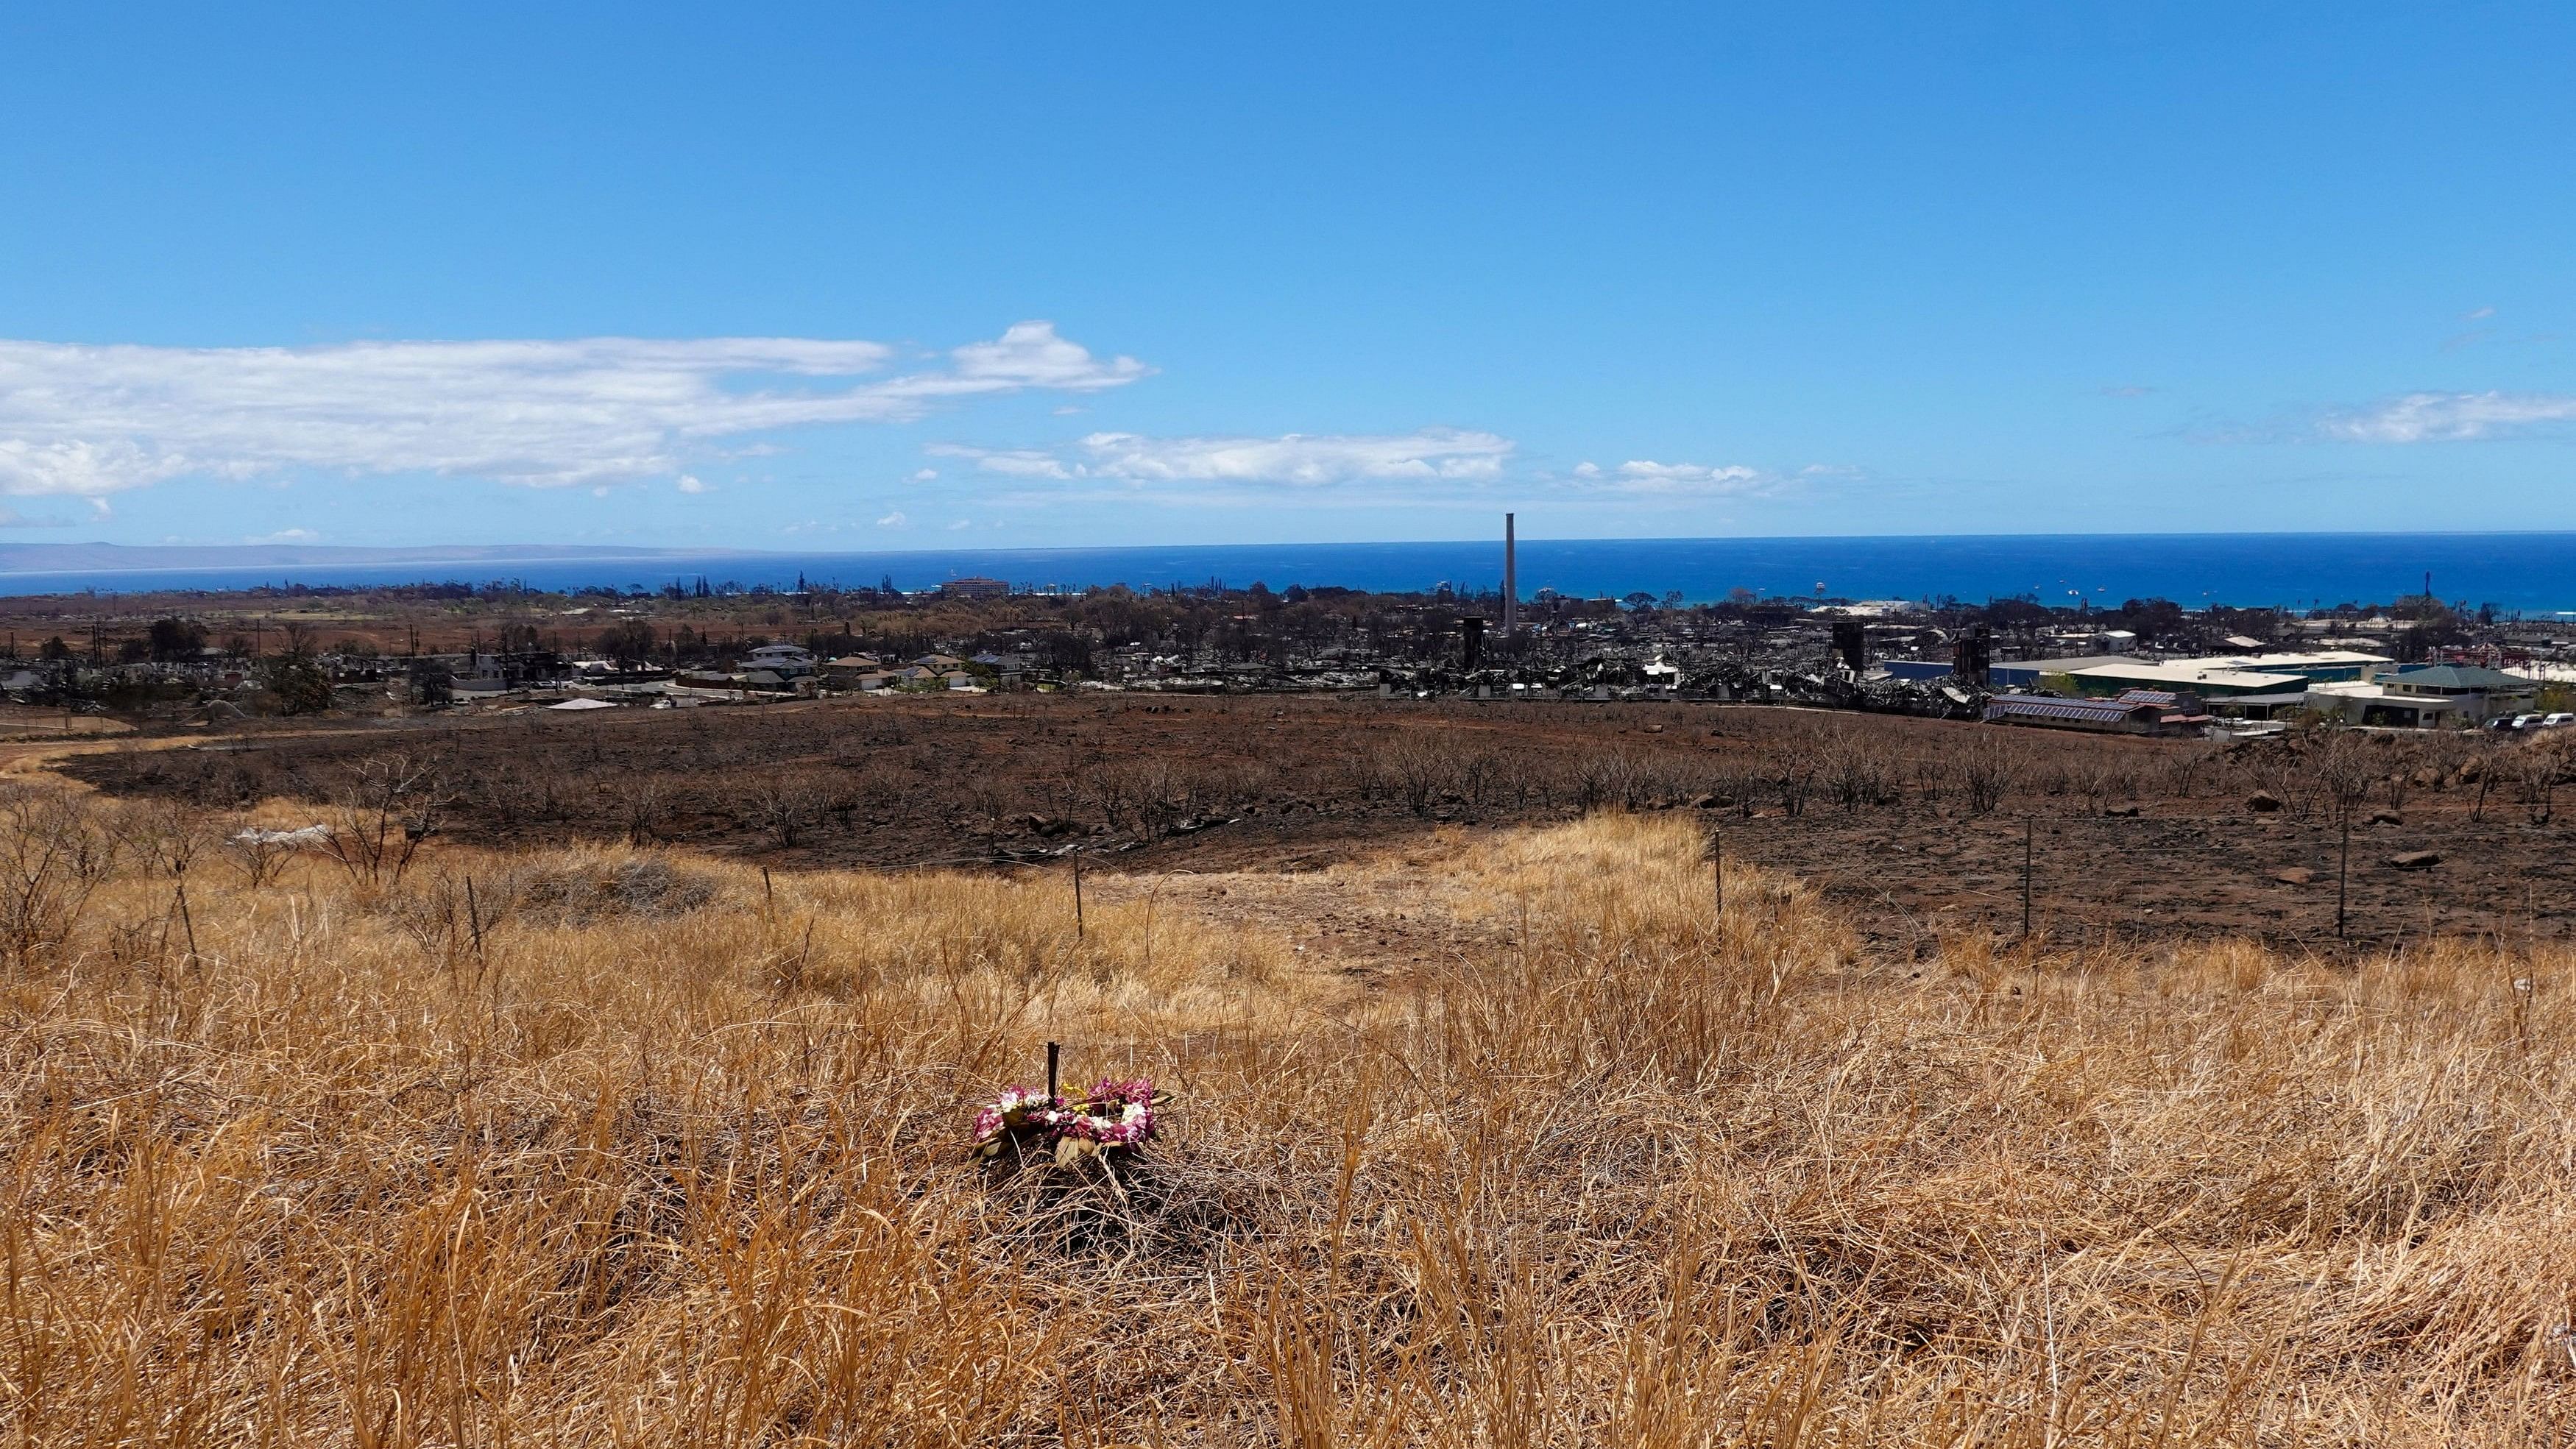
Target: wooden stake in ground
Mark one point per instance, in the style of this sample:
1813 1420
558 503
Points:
1077 898
1717 869
2343 873
1052 1051
188 922
2025 877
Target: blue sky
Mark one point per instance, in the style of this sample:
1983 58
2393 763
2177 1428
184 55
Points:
1017 274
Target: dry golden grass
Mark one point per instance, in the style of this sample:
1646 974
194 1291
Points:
636 1148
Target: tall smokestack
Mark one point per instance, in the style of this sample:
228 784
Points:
1511 579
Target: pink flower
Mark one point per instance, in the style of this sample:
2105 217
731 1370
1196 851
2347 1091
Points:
1117 1114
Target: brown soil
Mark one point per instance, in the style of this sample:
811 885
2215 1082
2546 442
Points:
2180 868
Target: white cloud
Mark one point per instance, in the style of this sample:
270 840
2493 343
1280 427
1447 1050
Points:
2440 417
89 420
1297 459
925 475
893 520
1031 355
1641 476
690 483
287 535
1587 469
961 523
12 518
2477 314
1016 462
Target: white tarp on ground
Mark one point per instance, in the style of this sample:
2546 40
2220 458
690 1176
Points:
310 835
583 704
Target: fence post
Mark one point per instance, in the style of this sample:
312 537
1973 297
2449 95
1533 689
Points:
1052 1092
2343 874
2025 877
1077 898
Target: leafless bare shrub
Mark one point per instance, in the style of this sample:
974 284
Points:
2537 770
259 857
640 806
386 809
2183 770
2279 770
435 917
1477 773
1364 773
53 855
169 834
1160 803
2481 771
1111 789
1793 782
1421 769
785 803
1855 773
2403 763
1987 769
2345 767
1597 780
1739 783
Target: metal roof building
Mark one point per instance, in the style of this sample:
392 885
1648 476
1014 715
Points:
2210 678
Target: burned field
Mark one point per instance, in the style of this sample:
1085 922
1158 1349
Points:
585 1072
1918 826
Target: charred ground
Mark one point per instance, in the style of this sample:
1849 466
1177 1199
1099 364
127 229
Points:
1919 825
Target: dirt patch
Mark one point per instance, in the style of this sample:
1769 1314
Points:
1380 912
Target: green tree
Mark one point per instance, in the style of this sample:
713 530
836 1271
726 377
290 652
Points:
299 684
627 644
175 638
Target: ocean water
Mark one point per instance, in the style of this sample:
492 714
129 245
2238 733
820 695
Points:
2531 574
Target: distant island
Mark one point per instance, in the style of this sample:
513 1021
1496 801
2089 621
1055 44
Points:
42 558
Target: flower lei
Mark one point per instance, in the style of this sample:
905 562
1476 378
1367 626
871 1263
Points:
1117 1117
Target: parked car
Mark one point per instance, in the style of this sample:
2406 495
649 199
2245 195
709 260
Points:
2526 722
2557 719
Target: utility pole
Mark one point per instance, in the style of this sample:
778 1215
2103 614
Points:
1511 578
